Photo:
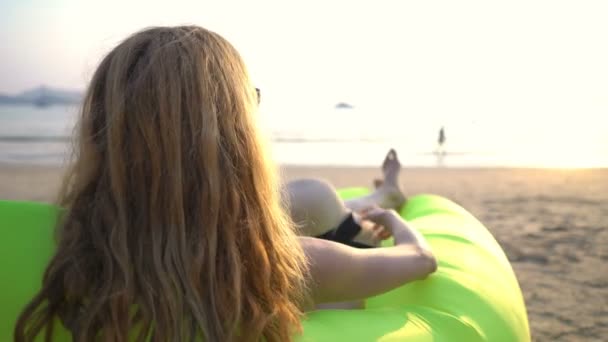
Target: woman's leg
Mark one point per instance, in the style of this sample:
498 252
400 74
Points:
388 194
316 208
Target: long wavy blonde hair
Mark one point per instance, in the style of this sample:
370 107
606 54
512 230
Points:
173 229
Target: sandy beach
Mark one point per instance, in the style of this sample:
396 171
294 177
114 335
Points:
552 224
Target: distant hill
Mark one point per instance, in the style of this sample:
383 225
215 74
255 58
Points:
42 96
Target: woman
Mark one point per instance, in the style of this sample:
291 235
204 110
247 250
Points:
174 227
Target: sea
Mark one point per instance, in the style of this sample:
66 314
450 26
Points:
333 136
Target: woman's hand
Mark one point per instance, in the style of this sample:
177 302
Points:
371 234
379 216
388 220
396 226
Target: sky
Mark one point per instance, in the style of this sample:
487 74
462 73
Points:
541 65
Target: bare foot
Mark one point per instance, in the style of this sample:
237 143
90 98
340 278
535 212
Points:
393 197
389 195
390 168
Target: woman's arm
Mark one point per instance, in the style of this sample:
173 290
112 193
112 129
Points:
402 233
342 273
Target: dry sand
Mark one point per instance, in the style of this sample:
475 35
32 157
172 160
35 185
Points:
553 225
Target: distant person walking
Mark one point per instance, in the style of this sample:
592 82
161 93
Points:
440 151
441 141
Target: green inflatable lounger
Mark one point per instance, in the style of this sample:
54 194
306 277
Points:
473 296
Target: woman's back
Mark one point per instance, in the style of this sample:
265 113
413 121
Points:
173 224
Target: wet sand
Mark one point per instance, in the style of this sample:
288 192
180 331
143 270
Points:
552 224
